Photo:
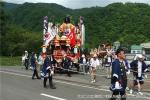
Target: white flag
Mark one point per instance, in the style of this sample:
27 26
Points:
51 33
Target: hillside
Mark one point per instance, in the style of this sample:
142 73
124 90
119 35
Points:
10 6
129 23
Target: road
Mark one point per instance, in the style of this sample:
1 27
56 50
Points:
18 86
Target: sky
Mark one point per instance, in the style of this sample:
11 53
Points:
75 4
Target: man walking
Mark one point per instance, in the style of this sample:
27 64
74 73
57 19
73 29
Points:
139 68
48 70
34 67
119 77
26 63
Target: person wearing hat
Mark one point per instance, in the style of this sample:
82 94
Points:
83 63
93 63
118 76
26 63
48 70
138 68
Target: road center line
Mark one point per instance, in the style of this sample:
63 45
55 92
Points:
85 86
13 73
50 96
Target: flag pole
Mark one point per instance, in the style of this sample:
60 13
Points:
82 27
45 30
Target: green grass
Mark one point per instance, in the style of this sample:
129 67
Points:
10 61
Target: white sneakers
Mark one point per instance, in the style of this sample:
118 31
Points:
127 88
108 76
145 76
131 91
140 93
93 81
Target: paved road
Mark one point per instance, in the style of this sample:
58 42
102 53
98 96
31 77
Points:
20 86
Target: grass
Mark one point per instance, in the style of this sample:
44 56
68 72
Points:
10 61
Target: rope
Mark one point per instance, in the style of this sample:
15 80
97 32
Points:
95 74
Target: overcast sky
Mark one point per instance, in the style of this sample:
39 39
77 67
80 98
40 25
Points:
74 4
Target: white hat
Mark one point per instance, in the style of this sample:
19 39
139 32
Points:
140 56
83 56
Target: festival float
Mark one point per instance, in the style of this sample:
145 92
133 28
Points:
65 39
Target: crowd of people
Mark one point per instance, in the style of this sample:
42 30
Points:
114 62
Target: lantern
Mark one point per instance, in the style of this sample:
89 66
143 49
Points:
57 41
67 42
63 40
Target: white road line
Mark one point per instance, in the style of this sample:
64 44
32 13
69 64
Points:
146 93
50 96
13 73
85 86
143 97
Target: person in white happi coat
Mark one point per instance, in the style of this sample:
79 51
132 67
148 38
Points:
40 62
138 68
94 62
108 62
26 63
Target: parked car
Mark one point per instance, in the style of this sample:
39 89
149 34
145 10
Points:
130 57
147 60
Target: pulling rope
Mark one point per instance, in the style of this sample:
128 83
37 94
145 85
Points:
95 74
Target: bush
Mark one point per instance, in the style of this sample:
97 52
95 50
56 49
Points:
10 61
